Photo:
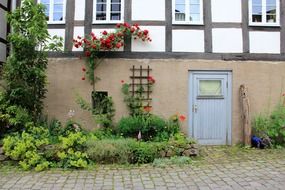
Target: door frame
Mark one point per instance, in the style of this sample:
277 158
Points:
229 100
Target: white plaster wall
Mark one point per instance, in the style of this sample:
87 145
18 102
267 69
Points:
227 40
98 33
157 34
3 24
79 10
2 52
226 10
264 42
78 31
188 40
57 32
148 10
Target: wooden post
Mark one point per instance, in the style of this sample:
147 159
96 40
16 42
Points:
245 114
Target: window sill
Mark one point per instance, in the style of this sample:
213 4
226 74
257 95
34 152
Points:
275 25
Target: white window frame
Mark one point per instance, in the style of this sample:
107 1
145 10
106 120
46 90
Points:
263 16
187 14
50 21
108 13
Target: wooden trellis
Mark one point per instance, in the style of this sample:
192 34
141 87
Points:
140 85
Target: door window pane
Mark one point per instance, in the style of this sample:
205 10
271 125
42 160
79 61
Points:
210 87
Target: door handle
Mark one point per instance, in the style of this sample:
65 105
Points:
194 108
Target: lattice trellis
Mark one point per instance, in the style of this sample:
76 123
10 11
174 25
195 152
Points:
140 85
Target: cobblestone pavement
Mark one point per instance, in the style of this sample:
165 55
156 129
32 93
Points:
220 168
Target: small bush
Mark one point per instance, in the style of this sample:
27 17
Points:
26 147
272 126
111 150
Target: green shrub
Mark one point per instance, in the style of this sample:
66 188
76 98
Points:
111 150
71 150
145 152
26 147
272 126
152 127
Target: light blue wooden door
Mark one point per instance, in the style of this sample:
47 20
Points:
210 105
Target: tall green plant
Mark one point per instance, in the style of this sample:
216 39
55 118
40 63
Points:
24 72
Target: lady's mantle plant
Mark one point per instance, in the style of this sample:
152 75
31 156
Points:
108 41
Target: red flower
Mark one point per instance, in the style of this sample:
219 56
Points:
283 94
76 45
147 108
83 78
122 81
94 46
92 34
83 69
182 118
132 30
145 32
127 25
79 37
151 79
87 53
105 32
118 25
118 45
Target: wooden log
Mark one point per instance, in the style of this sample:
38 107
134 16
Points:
245 114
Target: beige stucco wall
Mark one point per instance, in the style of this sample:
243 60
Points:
265 81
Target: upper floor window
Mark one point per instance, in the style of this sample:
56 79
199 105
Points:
264 12
187 11
55 10
108 11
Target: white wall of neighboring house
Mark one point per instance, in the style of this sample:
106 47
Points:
264 42
188 41
157 34
227 40
57 32
79 10
226 10
148 10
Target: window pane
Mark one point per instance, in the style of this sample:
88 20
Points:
180 1
271 18
101 8
179 16
57 16
194 9
210 87
58 1
180 8
271 2
257 2
256 10
270 10
116 7
101 1
58 8
116 1
45 1
195 2
195 17
115 16
100 16
256 18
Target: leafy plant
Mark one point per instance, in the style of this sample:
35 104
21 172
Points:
24 73
103 111
26 147
71 151
271 126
